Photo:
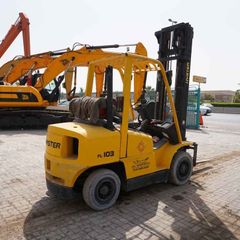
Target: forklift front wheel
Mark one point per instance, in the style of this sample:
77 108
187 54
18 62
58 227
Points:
101 189
181 168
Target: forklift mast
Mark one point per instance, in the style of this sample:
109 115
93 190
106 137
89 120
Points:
175 43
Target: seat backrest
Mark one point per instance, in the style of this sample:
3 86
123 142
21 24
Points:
146 110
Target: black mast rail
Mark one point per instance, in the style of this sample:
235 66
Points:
175 43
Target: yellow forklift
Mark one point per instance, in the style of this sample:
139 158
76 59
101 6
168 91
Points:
101 152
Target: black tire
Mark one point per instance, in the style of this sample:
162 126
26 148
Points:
181 168
101 189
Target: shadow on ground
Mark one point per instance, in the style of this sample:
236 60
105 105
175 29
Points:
158 212
192 218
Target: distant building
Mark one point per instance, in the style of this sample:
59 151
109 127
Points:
218 95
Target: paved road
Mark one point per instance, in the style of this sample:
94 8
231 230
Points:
206 208
219 136
223 122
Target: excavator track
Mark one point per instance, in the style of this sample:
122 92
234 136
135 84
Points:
31 118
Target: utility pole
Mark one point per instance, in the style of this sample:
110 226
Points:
173 22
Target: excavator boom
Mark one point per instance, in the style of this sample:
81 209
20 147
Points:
13 70
21 25
82 57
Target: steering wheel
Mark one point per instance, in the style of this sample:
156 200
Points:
146 111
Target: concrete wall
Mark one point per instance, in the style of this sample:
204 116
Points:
226 110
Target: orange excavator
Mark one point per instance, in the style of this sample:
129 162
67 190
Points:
27 104
11 71
21 25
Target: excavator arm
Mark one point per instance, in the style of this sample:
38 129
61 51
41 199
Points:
21 25
13 70
6 68
68 61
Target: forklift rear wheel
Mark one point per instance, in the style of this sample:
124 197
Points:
181 168
101 189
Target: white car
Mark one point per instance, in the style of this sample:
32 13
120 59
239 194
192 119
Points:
205 110
207 105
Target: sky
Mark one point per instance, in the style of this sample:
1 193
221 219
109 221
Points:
57 24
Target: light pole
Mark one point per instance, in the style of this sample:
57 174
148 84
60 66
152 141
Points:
171 39
173 22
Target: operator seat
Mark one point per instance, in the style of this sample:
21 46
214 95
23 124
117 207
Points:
156 128
146 110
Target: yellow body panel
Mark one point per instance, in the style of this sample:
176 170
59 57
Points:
94 142
139 160
142 158
164 155
21 96
8 95
97 145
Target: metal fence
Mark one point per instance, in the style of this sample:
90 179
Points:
193 109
